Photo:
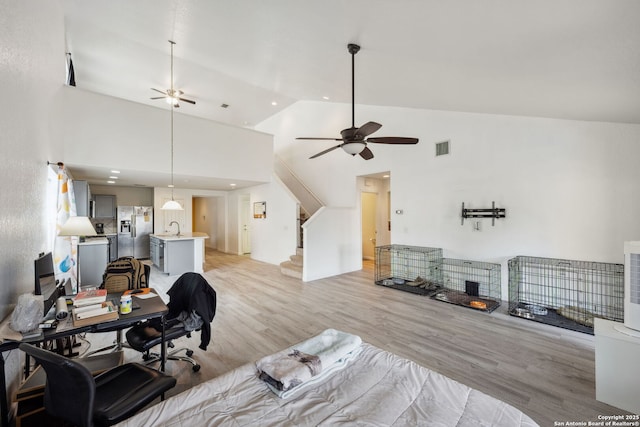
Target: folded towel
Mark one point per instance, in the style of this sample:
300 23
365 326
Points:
337 366
298 364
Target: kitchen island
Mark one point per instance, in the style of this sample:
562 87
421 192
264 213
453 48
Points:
176 254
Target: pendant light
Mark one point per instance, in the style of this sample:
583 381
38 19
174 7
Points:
172 205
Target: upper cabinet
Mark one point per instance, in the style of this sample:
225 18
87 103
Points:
104 206
82 194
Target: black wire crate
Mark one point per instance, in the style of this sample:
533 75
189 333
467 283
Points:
472 284
566 293
412 269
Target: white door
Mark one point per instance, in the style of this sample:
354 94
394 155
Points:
245 231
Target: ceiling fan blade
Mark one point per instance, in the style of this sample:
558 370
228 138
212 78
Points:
325 151
367 129
366 154
158 97
187 100
393 140
164 92
319 139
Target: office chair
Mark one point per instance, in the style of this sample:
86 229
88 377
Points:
74 395
190 297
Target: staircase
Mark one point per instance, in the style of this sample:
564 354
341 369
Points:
293 267
308 203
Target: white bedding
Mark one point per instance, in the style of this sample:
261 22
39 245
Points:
377 388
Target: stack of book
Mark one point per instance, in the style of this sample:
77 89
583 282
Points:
90 307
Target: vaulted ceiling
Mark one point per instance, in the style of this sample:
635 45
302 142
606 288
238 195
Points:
572 59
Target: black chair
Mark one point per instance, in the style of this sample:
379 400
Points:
191 293
74 395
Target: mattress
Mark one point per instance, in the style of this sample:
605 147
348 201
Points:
376 388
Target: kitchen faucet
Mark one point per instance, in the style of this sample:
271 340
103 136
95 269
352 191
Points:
176 223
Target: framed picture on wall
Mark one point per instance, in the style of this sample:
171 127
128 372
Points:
260 210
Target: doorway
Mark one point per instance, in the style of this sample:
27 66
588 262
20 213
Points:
208 216
375 205
245 221
369 203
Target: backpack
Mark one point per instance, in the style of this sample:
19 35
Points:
123 274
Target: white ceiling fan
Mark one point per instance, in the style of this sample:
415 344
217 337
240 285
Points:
173 96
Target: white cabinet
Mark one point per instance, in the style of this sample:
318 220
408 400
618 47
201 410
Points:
617 367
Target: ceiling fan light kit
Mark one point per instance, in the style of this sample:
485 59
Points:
354 148
354 140
171 95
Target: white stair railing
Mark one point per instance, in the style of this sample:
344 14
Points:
308 201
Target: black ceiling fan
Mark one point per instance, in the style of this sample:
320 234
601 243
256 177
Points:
172 95
354 140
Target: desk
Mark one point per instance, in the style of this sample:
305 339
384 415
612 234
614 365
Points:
150 308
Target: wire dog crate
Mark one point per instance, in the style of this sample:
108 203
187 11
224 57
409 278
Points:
566 293
409 268
471 284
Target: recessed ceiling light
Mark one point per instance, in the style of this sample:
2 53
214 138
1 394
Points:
233 185
170 185
385 176
274 103
326 98
113 177
115 171
111 182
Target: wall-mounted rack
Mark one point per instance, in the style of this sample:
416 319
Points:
492 213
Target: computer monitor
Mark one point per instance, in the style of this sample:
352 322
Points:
45 280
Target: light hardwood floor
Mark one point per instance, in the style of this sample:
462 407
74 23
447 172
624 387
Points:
547 372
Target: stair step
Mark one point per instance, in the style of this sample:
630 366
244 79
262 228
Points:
290 269
296 260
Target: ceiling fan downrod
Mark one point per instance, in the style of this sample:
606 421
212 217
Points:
353 49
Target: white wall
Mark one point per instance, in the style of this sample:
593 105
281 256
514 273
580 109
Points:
137 137
332 243
126 196
161 218
571 189
32 70
273 239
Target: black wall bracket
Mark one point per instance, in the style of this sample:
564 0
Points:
492 213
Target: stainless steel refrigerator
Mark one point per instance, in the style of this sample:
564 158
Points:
135 224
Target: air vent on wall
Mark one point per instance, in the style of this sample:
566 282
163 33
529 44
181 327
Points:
442 148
